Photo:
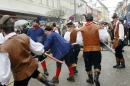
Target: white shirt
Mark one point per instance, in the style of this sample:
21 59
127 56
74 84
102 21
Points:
121 30
67 36
5 65
79 38
1 38
56 30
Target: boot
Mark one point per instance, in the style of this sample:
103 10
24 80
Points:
75 70
46 72
122 63
55 80
46 82
96 76
121 66
90 80
71 78
118 63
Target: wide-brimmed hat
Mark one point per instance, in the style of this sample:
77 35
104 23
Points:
6 21
115 15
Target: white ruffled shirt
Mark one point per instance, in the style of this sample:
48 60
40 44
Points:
121 31
67 36
5 65
1 38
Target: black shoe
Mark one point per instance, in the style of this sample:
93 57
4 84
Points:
45 72
55 80
50 84
75 70
118 64
46 82
121 66
96 76
90 80
97 83
71 78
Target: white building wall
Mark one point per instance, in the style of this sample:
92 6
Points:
68 7
37 7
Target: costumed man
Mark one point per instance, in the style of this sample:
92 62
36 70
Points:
5 70
118 42
18 47
37 34
91 49
62 50
71 36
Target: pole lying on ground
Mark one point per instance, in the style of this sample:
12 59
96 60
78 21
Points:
53 58
105 46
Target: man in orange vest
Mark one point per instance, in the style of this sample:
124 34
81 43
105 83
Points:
91 49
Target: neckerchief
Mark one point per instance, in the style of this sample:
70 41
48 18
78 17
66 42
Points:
88 23
36 27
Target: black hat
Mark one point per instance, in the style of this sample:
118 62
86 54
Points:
89 16
70 24
36 21
48 28
114 15
6 21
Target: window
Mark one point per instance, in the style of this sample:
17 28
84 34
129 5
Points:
53 3
31 0
58 3
47 2
72 1
41 1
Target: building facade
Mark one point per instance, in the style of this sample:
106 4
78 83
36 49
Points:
91 8
104 11
28 9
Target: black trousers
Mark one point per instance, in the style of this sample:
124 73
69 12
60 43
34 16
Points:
76 51
118 51
2 85
66 58
40 57
25 81
92 58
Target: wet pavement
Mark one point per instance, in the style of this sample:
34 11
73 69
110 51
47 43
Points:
108 77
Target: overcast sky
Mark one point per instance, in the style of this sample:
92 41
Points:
110 4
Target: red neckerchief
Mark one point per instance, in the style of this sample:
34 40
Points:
12 37
88 23
52 31
36 27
